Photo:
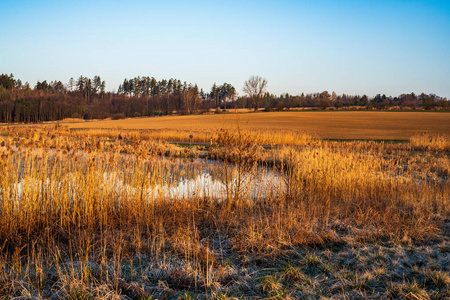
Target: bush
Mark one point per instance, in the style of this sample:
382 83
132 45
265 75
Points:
118 116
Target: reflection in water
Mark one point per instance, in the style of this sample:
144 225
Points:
164 178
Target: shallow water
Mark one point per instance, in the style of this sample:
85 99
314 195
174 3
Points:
168 179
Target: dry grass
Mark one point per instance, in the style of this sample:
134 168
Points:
431 142
325 125
85 216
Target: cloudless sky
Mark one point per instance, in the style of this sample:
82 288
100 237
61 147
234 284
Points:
352 47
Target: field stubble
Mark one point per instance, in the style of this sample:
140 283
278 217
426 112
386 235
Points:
346 125
367 223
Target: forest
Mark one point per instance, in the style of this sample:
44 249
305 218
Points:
87 98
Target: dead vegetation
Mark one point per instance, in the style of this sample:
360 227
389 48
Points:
87 215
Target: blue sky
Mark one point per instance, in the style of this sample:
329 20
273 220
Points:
352 47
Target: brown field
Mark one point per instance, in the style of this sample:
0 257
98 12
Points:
326 125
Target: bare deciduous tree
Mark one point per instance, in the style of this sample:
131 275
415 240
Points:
255 87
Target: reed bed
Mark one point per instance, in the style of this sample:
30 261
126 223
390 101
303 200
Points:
85 216
431 142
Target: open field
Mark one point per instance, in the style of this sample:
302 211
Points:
372 125
120 214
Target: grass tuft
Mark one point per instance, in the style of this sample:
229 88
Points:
440 279
270 284
408 291
292 274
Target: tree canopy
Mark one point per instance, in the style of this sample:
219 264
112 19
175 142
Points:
255 87
146 96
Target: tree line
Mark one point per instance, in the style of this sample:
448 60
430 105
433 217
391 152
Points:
87 98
